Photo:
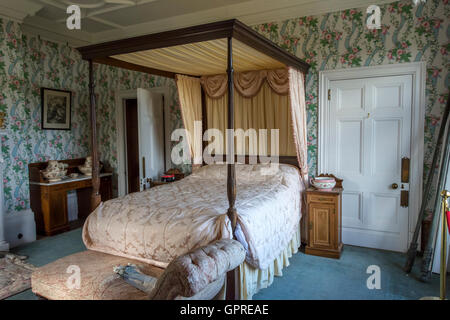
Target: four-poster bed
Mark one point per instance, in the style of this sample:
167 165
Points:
202 51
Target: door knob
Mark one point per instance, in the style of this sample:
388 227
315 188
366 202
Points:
394 186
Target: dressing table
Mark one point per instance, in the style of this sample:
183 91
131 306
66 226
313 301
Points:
49 199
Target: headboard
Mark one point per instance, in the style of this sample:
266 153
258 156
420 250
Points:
292 160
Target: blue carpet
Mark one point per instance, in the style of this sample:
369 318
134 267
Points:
307 277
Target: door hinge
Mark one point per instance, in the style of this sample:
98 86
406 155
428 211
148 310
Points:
329 94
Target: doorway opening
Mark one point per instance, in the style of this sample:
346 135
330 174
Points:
143 138
132 145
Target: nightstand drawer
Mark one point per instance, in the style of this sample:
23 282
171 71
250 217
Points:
321 198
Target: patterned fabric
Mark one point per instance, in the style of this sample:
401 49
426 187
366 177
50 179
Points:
15 274
341 39
198 274
160 224
191 273
27 64
328 41
56 281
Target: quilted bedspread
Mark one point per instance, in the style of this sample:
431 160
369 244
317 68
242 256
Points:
157 225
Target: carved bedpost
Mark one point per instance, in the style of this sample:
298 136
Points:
204 120
231 173
231 177
95 199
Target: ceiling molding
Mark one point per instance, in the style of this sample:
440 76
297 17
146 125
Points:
17 10
250 12
246 12
57 33
308 9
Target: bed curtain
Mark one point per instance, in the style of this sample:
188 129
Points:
299 123
190 95
265 110
264 99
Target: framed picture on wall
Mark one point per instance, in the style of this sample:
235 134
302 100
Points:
56 109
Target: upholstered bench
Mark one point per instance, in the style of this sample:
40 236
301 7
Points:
199 274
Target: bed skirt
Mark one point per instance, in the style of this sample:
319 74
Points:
253 279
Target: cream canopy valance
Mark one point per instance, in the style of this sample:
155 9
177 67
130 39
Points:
201 58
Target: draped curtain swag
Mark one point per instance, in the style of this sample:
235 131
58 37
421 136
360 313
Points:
259 103
190 94
247 83
266 110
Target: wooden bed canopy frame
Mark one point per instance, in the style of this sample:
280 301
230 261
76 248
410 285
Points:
230 29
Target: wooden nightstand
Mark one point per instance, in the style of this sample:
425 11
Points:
324 221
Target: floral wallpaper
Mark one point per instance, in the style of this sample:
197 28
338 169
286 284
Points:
26 65
330 41
341 40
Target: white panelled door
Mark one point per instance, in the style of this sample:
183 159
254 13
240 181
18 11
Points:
370 132
150 135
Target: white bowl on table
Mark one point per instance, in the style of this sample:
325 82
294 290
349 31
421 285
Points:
323 183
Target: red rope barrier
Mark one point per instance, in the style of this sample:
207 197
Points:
448 220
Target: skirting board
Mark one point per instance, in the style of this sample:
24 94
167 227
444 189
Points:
20 228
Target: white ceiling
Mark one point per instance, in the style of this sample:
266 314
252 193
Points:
105 20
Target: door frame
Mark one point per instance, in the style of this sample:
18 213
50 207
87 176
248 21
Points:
418 72
120 98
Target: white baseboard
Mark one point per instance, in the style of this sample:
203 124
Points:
20 228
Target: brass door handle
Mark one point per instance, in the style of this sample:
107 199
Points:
394 186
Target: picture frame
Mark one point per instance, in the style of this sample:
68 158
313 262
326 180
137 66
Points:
56 109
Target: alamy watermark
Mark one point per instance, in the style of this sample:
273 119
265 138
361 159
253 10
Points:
218 147
374 280
373 17
416 2
73 22
74 280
